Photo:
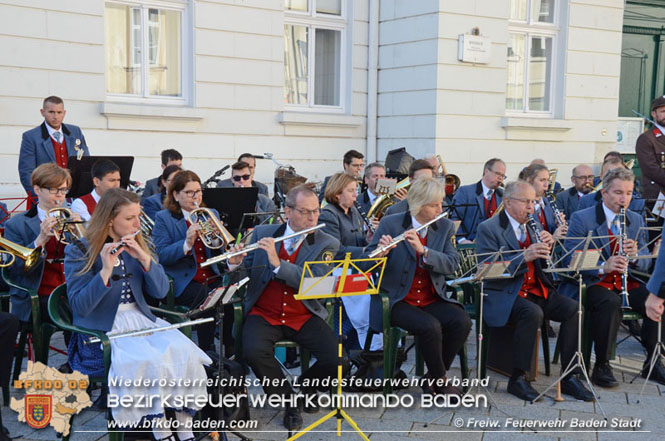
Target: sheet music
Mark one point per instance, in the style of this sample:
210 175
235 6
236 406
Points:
317 286
589 261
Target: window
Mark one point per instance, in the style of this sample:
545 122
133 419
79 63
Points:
314 36
144 50
533 31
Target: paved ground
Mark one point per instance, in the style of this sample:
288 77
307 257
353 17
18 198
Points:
620 405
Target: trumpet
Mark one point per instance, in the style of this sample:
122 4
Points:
211 230
229 255
401 237
29 255
66 230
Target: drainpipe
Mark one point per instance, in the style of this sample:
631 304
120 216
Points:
372 80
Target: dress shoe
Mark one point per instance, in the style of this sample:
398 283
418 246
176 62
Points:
571 385
292 419
658 372
602 375
521 388
550 332
310 406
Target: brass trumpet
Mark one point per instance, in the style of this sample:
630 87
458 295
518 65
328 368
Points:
29 255
211 230
65 230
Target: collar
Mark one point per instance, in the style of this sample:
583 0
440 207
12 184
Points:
295 240
580 194
186 214
609 215
514 225
41 213
50 130
661 128
372 197
485 189
95 196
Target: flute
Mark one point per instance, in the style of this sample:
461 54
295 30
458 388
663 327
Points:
401 237
115 250
152 330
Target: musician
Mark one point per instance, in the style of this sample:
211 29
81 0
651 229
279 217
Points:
155 203
414 279
656 286
418 169
605 285
539 177
353 165
650 149
557 187
181 251
249 159
105 175
52 141
9 326
582 179
271 312
373 172
591 199
35 228
523 300
169 157
107 292
436 165
242 178
474 203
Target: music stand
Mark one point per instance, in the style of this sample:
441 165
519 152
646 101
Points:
80 169
313 287
657 354
231 203
587 260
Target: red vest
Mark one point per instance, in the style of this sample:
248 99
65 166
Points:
60 151
490 206
54 273
276 303
422 292
89 202
531 284
612 281
542 218
202 274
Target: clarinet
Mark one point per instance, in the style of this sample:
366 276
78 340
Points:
534 226
363 215
622 252
549 197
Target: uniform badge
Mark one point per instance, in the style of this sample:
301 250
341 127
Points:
38 410
327 256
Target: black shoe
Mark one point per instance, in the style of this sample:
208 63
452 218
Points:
658 372
64 368
602 375
550 332
292 419
310 400
521 388
634 327
571 385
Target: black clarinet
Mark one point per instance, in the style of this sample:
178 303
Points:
549 197
535 227
622 252
363 215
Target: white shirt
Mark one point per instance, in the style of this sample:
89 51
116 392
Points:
609 216
186 248
51 131
78 206
515 225
372 196
486 189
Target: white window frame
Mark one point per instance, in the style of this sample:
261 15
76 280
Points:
185 9
530 29
312 21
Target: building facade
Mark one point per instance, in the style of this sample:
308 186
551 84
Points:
307 80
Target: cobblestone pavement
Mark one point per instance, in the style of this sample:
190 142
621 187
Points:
496 422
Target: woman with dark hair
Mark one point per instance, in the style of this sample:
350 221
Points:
181 251
107 292
155 203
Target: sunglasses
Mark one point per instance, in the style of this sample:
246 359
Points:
238 178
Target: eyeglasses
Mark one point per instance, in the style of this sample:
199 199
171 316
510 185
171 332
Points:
499 175
304 212
238 178
62 190
585 178
524 201
192 193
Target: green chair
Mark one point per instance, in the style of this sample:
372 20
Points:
61 314
34 330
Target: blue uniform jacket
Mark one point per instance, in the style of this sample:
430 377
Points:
153 204
350 231
469 207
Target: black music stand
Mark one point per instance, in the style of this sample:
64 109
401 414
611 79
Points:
80 170
231 203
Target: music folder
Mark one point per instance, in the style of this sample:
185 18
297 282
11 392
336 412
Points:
231 203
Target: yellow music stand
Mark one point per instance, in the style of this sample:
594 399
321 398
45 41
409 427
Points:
308 292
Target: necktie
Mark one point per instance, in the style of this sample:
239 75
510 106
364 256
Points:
57 136
291 247
615 226
422 233
490 192
522 233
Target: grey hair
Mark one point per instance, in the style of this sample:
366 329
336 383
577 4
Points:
424 191
622 174
513 187
292 195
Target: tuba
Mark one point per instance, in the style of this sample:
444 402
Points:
29 255
453 182
212 232
385 201
65 230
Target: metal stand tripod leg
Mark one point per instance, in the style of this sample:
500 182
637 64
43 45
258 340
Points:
657 353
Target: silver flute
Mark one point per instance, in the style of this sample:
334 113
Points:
152 330
115 250
401 237
230 254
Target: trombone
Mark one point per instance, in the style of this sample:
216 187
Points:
29 255
226 256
